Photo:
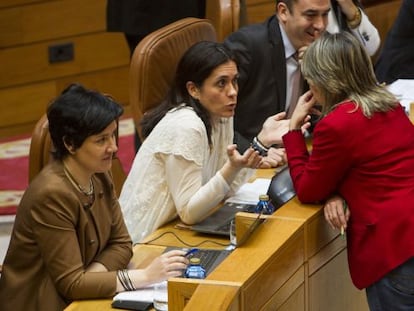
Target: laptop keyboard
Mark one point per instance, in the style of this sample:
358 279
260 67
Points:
207 258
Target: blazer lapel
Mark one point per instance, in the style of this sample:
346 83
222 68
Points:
278 59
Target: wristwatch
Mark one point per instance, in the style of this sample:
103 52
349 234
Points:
259 147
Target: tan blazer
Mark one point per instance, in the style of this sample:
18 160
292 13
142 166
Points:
57 234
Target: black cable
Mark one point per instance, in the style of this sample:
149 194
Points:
179 239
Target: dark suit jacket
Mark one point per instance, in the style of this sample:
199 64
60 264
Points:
262 84
262 66
140 17
56 236
370 163
396 60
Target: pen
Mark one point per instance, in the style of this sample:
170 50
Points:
342 227
191 251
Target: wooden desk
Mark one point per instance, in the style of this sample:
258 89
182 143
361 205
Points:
144 254
293 261
411 112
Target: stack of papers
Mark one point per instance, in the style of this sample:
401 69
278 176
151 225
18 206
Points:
403 89
145 295
249 192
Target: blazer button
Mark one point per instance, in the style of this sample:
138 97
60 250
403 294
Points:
91 241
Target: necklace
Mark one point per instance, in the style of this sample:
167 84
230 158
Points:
89 192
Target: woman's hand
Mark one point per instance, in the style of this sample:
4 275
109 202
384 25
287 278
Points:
236 161
169 264
336 212
300 115
250 158
273 129
275 157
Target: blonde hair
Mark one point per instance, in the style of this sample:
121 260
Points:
338 65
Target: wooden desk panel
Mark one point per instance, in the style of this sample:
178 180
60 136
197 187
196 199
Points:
211 295
290 296
329 286
259 267
270 237
268 266
318 233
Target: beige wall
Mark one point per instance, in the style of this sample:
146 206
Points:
29 27
28 81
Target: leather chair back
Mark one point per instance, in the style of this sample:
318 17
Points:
40 154
225 16
155 59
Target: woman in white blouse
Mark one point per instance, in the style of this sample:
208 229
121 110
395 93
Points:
187 163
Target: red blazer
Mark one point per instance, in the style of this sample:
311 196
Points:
370 163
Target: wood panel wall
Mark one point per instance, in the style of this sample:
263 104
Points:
28 81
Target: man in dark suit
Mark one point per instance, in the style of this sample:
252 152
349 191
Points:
138 18
268 63
396 60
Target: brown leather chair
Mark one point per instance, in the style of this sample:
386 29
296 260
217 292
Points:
225 16
40 154
155 59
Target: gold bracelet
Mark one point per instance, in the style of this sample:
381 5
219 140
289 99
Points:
356 21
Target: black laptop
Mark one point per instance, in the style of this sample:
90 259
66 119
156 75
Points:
281 188
280 191
219 222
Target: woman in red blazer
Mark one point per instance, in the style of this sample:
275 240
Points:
363 150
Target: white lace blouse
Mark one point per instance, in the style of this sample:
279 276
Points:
175 172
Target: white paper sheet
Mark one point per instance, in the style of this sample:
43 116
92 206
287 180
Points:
144 294
404 90
249 192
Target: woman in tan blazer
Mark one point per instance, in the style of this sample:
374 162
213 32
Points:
69 239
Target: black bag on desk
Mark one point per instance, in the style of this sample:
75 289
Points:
281 188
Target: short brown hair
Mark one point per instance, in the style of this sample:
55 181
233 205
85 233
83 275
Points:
289 3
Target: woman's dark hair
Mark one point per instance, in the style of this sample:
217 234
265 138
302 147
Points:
196 65
77 114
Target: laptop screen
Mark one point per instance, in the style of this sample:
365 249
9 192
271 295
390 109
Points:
219 222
